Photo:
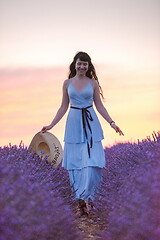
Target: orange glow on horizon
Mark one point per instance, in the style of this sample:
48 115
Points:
33 100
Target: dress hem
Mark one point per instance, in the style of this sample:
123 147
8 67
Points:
68 169
79 142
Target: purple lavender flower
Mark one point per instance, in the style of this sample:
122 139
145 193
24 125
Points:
128 198
35 199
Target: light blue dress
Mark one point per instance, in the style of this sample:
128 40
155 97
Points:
84 160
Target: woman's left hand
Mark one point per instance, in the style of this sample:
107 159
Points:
117 129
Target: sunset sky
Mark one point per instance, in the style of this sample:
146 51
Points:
38 41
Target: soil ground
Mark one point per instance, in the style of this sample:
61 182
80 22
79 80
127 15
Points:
89 225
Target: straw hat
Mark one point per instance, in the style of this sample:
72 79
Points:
46 144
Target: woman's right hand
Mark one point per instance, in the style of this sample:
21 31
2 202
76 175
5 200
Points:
46 128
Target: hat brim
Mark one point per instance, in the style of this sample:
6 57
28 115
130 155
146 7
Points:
47 145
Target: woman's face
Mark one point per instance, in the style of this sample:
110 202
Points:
81 67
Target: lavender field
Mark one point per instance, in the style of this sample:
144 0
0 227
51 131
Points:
36 202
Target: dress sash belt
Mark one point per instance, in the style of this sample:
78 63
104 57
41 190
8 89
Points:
86 117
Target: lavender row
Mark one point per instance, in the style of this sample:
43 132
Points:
128 200
36 200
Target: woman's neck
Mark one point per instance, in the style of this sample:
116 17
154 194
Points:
80 77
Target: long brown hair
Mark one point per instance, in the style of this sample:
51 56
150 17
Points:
91 73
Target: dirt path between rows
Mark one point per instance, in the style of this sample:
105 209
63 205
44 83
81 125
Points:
89 226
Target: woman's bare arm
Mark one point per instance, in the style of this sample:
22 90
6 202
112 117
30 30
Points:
62 110
101 109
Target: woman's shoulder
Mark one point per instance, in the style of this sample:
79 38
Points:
66 82
94 82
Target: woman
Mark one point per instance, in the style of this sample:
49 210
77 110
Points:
83 152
